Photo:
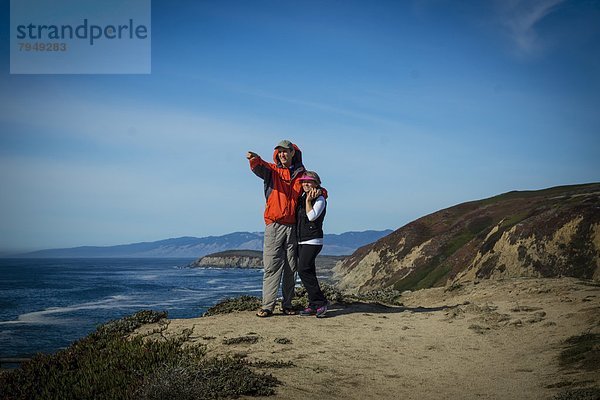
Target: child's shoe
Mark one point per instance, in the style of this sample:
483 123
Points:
320 313
308 311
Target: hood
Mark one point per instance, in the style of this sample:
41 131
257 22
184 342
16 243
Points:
296 160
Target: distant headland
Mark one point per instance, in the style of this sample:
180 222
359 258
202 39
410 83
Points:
192 247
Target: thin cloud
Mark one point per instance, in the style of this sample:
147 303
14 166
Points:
520 18
237 88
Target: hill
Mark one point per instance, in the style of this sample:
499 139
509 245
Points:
544 233
192 247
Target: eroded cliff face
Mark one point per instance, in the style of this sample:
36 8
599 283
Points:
545 233
231 259
232 262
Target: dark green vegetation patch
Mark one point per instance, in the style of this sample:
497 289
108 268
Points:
126 325
217 378
582 351
272 364
248 339
388 296
242 303
109 364
579 394
332 294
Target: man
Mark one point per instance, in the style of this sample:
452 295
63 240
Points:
282 190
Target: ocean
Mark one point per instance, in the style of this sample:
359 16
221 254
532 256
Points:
46 304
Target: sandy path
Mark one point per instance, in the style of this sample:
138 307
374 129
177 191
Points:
503 344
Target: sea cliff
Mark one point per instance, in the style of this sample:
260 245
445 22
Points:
231 259
254 259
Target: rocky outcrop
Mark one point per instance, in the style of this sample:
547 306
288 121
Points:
254 259
546 233
231 259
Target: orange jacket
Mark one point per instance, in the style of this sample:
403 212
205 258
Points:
282 187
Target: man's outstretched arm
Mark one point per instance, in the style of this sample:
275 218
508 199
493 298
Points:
260 167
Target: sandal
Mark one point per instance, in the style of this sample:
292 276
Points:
264 313
289 311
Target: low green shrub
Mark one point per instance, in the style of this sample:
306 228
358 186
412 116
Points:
242 303
389 296
128 324
272 364
216 378
108 364
248 339
332 294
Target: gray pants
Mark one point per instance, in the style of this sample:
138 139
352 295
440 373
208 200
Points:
279 256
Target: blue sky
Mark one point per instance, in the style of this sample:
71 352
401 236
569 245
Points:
403 107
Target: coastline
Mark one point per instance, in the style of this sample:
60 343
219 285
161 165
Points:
47 304
252 259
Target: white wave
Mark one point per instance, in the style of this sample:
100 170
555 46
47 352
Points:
148 277
45 317
170 302
247 288
6 334
188 290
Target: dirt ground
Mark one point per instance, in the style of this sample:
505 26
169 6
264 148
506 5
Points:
486 340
